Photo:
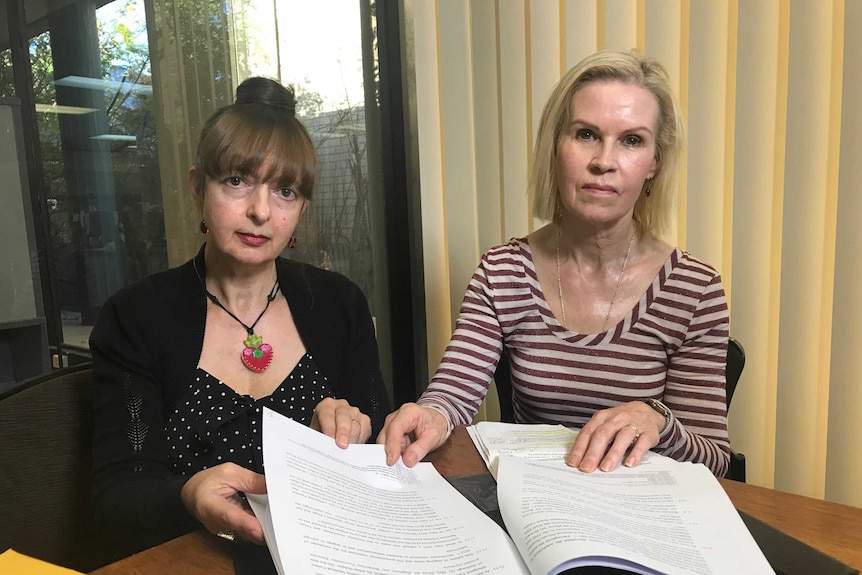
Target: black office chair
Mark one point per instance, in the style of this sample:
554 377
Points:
46 426
503 381
735 363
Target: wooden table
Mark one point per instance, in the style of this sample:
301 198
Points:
832 528
197 553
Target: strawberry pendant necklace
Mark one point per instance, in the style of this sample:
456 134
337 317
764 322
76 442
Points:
257 355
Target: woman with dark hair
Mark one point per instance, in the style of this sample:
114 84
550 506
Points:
186 360
608 328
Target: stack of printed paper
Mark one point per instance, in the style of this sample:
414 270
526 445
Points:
537 442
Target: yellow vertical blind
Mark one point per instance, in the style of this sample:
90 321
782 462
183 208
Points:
843 457
808 246
769 186
761 111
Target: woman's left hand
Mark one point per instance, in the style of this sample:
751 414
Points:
337 418
604 440
214 497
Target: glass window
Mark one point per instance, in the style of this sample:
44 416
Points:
121 92
94 103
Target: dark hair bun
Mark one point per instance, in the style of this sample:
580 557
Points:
259 90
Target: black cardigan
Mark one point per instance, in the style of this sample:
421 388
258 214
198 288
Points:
146 345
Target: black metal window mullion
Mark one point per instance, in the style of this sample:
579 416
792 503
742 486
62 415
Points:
402 215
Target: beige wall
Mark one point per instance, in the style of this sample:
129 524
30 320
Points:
769 195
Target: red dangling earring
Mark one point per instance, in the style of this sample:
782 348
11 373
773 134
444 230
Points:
203 227
291 243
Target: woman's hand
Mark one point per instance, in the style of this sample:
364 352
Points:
604 440
213 497
411 432
337 418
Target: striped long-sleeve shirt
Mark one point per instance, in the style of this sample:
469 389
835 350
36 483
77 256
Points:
671 346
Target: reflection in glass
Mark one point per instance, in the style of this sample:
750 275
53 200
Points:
93 88
121 93
336 85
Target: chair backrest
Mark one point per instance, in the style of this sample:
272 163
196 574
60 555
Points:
735 363
503 381
45 433
503 378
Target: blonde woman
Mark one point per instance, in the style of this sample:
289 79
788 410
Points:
608 328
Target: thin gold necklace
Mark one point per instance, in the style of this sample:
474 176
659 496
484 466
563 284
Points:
616 288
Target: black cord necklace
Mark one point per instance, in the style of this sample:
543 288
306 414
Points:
256 355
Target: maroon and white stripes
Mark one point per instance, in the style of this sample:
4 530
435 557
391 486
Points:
671 346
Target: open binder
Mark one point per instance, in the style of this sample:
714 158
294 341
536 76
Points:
787 555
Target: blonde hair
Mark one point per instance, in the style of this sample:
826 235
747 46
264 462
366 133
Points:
653 212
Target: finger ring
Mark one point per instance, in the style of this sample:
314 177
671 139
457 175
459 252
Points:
226 534
637 433
355 420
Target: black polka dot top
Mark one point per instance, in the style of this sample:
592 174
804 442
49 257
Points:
214 424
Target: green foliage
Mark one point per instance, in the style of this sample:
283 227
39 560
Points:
42 67
200 28
308 104
7 80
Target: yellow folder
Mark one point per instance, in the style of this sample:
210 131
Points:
13 562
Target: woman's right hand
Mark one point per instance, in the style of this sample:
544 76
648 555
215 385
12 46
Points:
411 432
213 497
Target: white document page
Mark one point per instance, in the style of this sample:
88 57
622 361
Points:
260 505
344 511
665 517
532 441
